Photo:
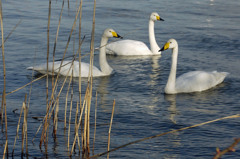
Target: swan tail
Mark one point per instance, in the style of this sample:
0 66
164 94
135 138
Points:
30 68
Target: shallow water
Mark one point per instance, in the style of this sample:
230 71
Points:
208 36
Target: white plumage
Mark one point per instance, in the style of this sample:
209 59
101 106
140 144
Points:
66 69
134 47
194 81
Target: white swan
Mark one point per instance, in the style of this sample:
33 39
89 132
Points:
133 47
194 81
105 69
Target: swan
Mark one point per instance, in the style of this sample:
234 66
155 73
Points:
133 47
194 81
105 69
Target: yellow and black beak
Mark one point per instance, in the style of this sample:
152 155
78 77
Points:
165 47
158 18
116 35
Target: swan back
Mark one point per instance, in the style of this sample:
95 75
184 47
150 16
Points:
197 81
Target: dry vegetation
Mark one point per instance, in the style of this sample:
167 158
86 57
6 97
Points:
81 140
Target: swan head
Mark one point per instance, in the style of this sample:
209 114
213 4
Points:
170 44
109 33
155 16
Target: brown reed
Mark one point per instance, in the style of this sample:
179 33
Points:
226 150
70 113
55 42
48 26
110 127
95 124
45 127
165 133
66 102
19 120
4 105
10 33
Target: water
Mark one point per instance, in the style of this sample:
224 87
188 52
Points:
208 36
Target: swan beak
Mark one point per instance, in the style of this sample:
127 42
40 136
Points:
165 47
158 18
116 35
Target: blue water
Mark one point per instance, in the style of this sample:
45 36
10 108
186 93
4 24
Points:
208 35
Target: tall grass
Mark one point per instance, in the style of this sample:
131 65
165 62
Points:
4 105
80 141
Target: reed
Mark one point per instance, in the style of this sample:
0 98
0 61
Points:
19 120
95 124
55 42
5 149
45 127
79 123
110 127
55 122
4 105
10 33
166 133
24 127
226 150
48 26
70 113
66 102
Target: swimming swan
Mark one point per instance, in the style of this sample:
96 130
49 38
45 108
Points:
105 69
194 81
133 47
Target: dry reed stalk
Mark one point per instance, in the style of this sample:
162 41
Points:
90 78
23 128
110 127
85 129
169 132
1 113
79 55
17 129
56 119
79 78
95 124
76 118
4 76
14 28
228 149
25 110
55 43
5 149
70 113
56 81
48 115
66 101
26 84
88 123
65 51
48 26
79 123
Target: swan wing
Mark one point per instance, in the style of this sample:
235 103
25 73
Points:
197 81
128 48
66 65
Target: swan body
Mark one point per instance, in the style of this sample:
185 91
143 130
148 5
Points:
133 47
68 66
194 81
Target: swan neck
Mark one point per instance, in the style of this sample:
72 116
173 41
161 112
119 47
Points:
104 66
170 87
153 44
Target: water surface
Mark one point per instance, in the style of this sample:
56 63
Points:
208 36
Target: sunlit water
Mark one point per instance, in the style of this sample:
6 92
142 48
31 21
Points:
208 36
